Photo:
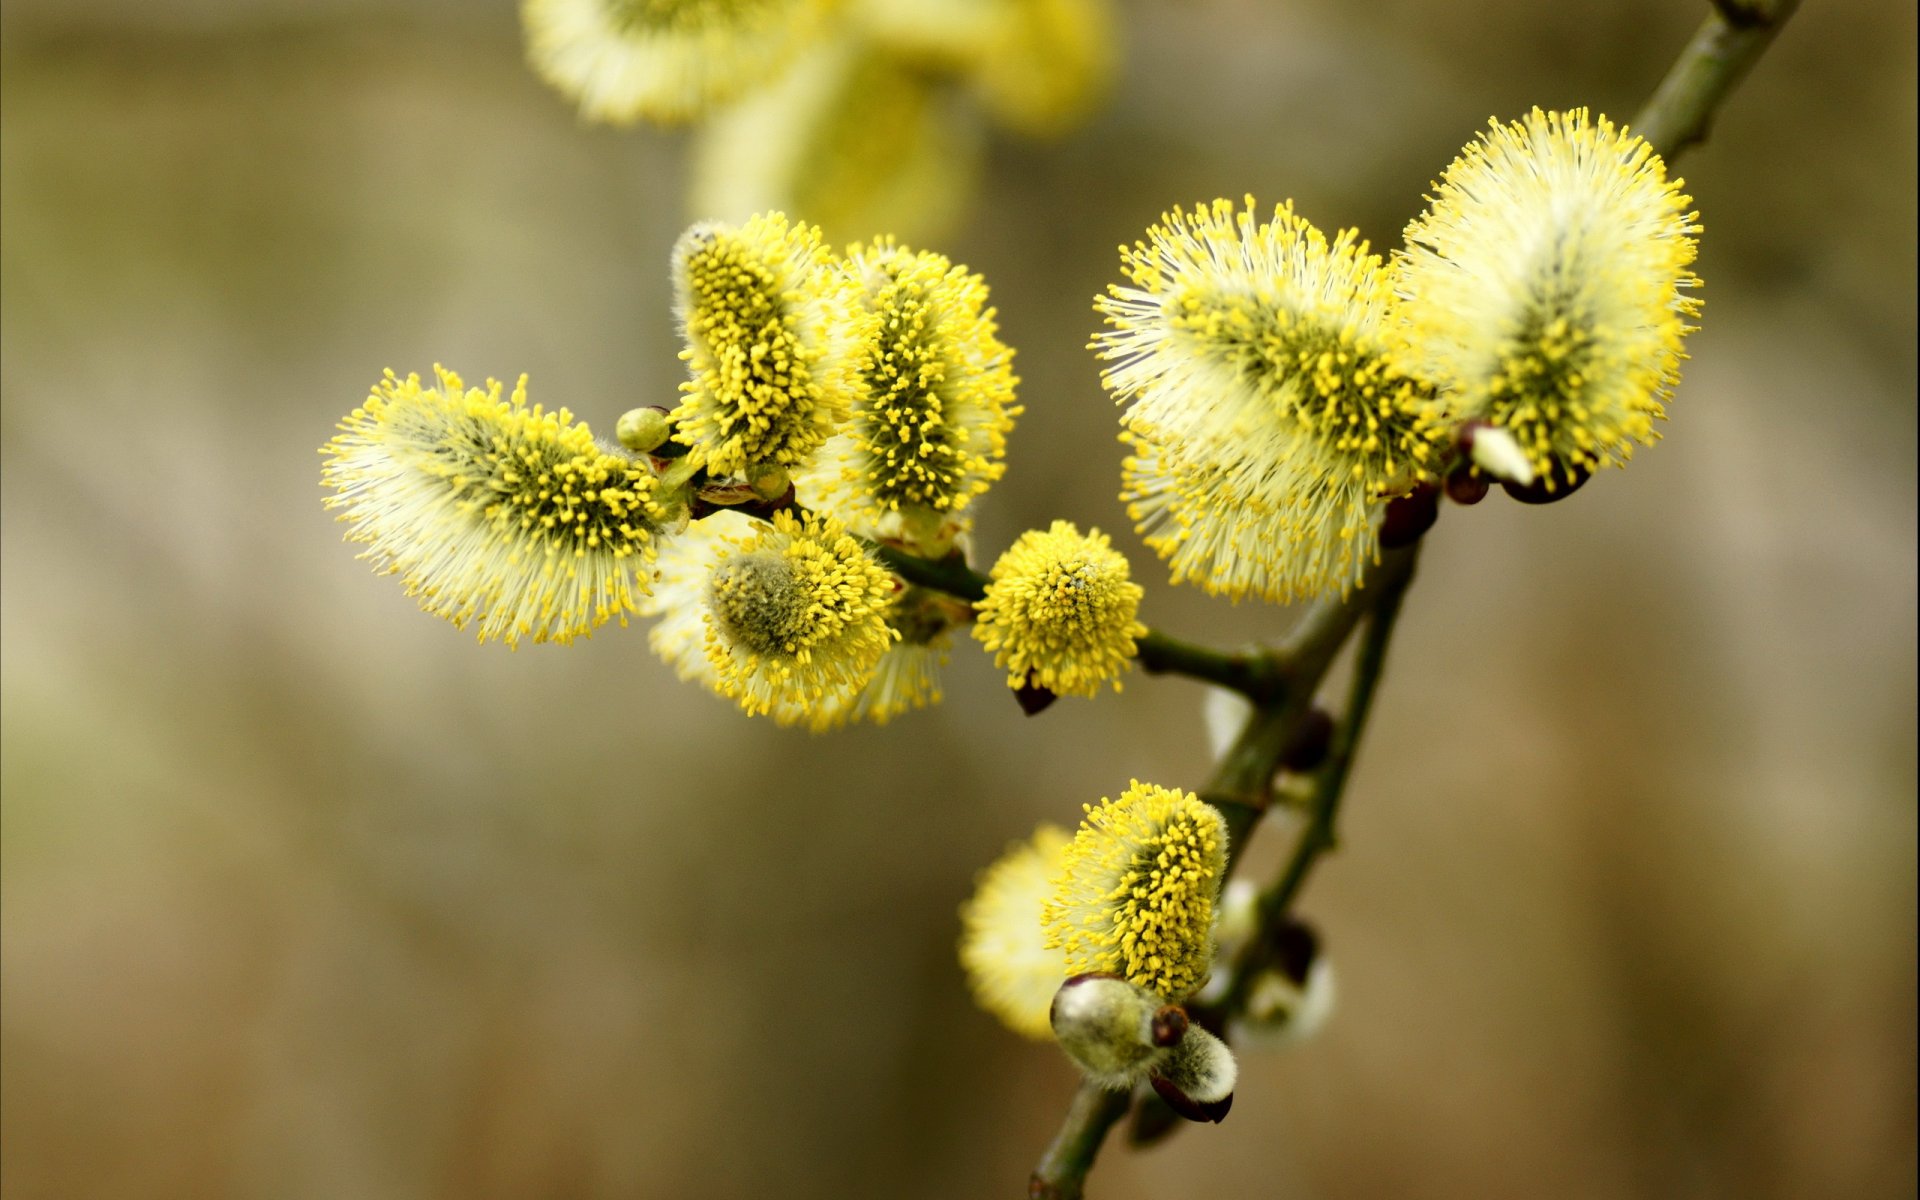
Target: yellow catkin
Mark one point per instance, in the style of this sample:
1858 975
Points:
1060 612
935 395
1269 421
771 334
1136 890
788 618
492 512
1010 967
666 61
1546 289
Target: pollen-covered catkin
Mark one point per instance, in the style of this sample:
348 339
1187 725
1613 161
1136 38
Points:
492 512
771 335
788 617
1137 887
934 399
1268 422
1548 289
1060 612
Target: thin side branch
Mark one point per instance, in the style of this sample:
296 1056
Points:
1241 788
1330 783
1728 43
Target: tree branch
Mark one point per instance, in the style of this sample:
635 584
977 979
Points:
1062 1173
1330 784
1675 118
1728 43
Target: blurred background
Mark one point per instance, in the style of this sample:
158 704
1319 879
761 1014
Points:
307 896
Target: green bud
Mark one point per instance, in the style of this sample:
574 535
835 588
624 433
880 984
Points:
644 429
1196 1077
1107 1027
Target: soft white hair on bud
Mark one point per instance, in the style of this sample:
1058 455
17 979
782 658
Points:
1281 1011
1105 1025
1201 1066
1498 453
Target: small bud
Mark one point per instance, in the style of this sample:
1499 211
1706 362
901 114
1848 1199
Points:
1196 1078
1169 1026
1307 749
1106 1026
643 429
1032 698
1496 452
1290 1000
769 481
1410 516
1466 486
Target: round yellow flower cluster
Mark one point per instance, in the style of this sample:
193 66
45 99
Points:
1059 612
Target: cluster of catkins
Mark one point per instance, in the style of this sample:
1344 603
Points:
1293 403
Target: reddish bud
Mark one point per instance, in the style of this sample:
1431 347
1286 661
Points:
1169 1025
1466 486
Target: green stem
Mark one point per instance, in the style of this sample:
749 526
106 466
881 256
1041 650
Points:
1242 783
1728 43
1676 117
1062 1173
1330 783
1255 675
1241 788
951 574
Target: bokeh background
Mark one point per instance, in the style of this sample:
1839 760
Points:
307 896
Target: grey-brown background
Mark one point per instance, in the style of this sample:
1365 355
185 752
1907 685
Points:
307 896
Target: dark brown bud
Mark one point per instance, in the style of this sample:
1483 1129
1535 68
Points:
1187 1106
1410 516
1295 946
1467 486
1307 749
1032 698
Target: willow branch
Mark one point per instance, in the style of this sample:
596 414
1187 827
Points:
1728 43
1241 788
1062 1173
1330 784
951 574
1675 118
